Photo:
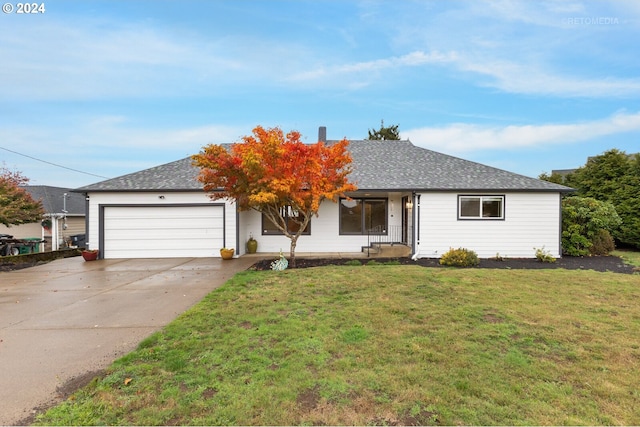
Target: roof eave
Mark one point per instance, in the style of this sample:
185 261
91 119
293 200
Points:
469 190
137 190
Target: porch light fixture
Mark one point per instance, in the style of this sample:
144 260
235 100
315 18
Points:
409 204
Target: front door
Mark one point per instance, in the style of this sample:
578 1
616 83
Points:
405 220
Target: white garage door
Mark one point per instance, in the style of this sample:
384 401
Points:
163 231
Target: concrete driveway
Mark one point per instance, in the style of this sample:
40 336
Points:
64 321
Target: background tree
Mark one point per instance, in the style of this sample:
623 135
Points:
602 176
628 204
390 133
612 177
16 205
277 175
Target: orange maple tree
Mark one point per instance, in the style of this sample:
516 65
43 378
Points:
16 205
278 175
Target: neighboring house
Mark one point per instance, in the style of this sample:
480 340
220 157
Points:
64 217
406 194
562 172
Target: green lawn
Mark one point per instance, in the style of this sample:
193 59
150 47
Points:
629 257
385 345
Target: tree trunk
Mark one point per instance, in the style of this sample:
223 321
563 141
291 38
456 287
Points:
292 253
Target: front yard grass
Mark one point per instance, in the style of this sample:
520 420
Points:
630 257
383 345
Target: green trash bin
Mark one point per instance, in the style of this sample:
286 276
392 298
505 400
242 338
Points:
33 247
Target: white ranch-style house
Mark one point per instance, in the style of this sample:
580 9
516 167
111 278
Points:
406 195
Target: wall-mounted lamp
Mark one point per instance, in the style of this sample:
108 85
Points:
409 204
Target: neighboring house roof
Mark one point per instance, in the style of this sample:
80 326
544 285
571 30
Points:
53 202
377 165
565 172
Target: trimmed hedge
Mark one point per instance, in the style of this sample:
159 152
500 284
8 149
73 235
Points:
39 256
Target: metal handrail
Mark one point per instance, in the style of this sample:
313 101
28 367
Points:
378 235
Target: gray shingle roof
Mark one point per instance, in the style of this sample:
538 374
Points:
52 199
174 176
377 165
391 165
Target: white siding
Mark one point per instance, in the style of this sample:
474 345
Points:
325 230
75 225
168 227
531 220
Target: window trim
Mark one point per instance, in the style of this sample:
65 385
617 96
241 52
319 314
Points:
482 197
363 231
278 232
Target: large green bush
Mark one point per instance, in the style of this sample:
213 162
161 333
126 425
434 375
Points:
586 221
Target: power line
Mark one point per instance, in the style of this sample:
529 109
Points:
54 164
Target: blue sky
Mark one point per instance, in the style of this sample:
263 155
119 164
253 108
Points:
113 87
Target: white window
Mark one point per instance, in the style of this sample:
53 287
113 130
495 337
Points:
292 219
480 207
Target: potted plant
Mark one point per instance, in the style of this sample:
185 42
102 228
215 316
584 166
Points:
226 253
46 224
90 254
252 245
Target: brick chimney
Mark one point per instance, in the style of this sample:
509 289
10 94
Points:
322 134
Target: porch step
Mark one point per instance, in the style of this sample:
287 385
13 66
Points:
389 251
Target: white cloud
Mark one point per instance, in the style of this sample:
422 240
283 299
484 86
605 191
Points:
95 59
92 60
409 60
543 14
529 48
506 75
366 68
461 137
108 146
114 132
532 79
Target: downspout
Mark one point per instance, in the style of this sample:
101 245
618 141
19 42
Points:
42 245
54 233
415 241
560 225
238 246
86 220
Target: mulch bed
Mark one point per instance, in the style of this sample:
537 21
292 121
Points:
597 263
613 264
